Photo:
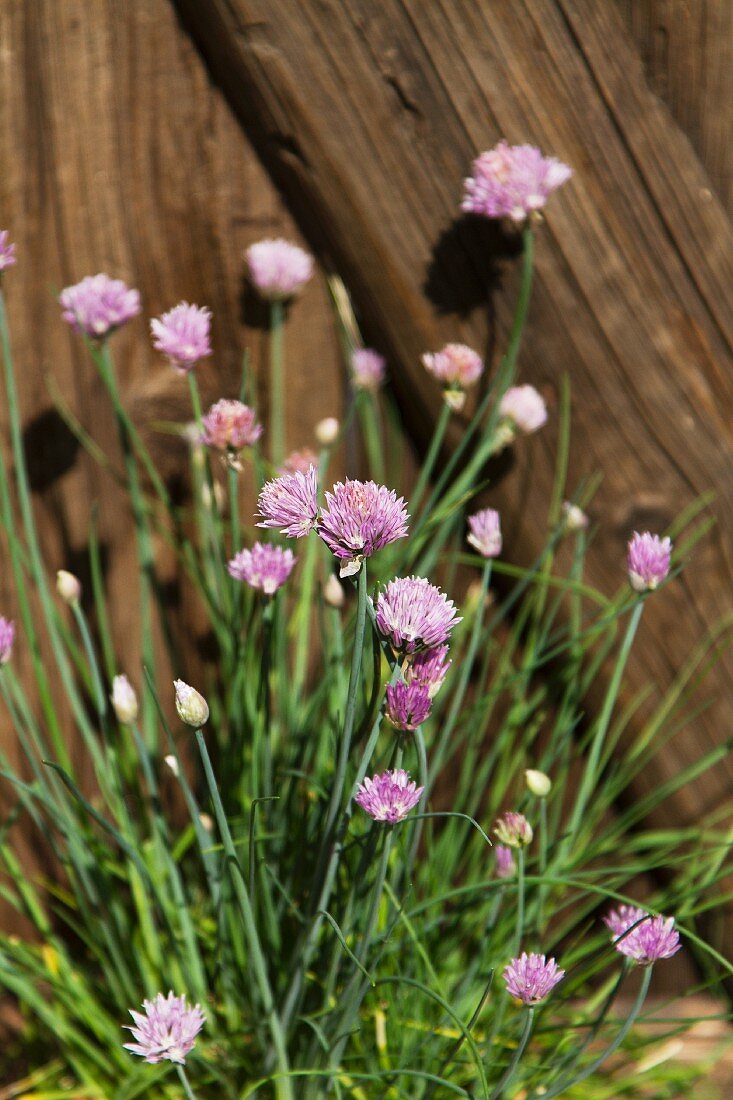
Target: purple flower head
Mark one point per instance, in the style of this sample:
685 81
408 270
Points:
524 408
621 919
290 503
414 614
505 865
485 532
264 567
7 637
98 305
648 561
298 462
360 518
367 369
408 704
512 181
182 335
7 250
278 269
457 367
229 426
167 1030
388 797
652 939
514 830
428 667
531 977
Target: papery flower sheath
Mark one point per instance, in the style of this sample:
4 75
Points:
166 1031
389 796
182 335
648 561
278 269
530 978
512 181
290 503
361 517
98 305
408 704
264 567
414 614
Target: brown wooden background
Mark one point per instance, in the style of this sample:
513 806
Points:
155 140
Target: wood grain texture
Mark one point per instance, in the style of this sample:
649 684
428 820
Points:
687 50
368 116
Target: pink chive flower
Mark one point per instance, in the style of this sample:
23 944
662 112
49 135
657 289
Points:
229 426
456 367
290 503
524 409
298 462
531 977
621 919
7 250
389 796
648 561
360 518
182 335
505 865
7 637
264 567
167 1030
278 269
429 667
98 305
514 831
414 614
408 704
485 532
367 369
512 181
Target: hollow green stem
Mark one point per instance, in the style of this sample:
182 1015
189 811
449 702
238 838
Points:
277 383
520 901
431 457
518 1054
190 1094
100 696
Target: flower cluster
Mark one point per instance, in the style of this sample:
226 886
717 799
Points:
264 567
514 831
230 426
98 305
389 796
414 614
290 503
641 937
429 667
648 561
456 367
360 518
278 269
182 335
531 977
485 532
367 369
408 704
167 1030
523 410
512 181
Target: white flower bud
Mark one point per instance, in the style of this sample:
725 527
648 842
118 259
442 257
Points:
327 431
333 592
172 763
538 783
191 706
575 518
68 587
207 821
124 700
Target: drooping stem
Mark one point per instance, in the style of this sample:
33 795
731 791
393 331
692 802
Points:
518 1054
430 459
277 383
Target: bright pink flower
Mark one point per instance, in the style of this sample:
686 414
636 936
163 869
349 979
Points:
367 369
485 532
167 1030
229 426
513 830
389 796
414 614
182 334
648 561
98 305
264 567
278 269
290 503
512 181
505 865
7 250
429 667
531 977
7 637
524 408
360 518
408 704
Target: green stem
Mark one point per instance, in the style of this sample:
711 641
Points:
277 385
283 1084
520 901
99 692
190 1094
372 433
542 865
430 459
234 510
518 1053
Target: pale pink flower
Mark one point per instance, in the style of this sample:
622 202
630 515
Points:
264 567
505 865
278 269
512 181
290 503
182 335
513 830
650 938
414 614
98 305
361 517
389 796
456 367
229 426
7 250
167 1030
485 532
7 637
524 408
531 977
367 369
298 462
648 561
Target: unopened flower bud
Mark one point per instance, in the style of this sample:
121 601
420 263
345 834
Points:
575 518
514 831
172 762
191 706
538 783
124 700
68 587
333 592
327 430
207 821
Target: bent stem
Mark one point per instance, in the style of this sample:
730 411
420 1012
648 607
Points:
518 1053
